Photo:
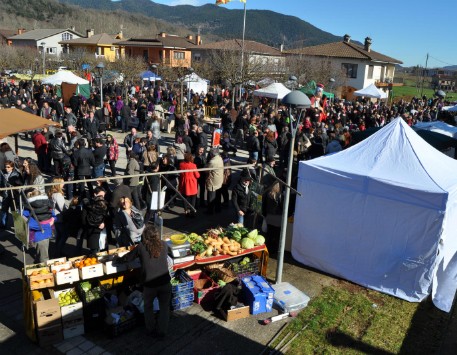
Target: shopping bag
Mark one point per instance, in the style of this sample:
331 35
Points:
102 239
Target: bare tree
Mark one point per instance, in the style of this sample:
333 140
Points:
130 68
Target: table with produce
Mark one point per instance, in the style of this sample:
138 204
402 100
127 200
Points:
65 298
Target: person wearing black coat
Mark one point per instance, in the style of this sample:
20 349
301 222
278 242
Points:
91 126
58 150
155 278
241 199
83 161
9 177
93 220
202 137
99 158
270 146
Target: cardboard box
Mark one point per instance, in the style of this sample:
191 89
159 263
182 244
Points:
109 268
258 293
112 282
47 313
91 271
72 311
236 313
49 335
117 250
67 276
70 332
64 266
57 260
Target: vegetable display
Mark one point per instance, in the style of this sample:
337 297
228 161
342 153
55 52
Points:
224 241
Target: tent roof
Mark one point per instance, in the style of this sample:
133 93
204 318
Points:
64 76
438 127
193 77
371 91
13 121
397 155
273 91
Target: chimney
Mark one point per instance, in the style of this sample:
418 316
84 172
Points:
162 34
90 32
73 28
120 35
198 40
281 48
367 44
347 38
190 37
20 31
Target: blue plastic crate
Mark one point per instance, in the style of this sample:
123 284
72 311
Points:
182 305
182 298
185 286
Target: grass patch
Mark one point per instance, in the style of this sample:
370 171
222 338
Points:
353 320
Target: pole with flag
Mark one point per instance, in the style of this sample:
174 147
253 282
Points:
223 2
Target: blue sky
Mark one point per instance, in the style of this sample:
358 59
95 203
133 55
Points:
404 30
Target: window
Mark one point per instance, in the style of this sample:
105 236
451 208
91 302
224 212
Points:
51 50
370 72
179 55
197 57
145 55
350 70
66 36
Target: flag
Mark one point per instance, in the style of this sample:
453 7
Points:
223 2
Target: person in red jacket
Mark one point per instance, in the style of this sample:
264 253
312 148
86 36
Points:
188 185
41 149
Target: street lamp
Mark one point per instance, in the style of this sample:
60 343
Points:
332 82
294 99
100 68
156 72
43 52
190 70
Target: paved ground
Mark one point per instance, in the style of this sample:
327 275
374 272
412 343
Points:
193 331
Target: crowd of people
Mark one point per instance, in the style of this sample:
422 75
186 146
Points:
85 147
119 210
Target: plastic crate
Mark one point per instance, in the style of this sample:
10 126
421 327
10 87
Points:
253 267
116 329
182 305
185 286
182 298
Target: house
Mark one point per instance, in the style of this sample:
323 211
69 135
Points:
360 66
103 45
47 39
444 82
164 49
5 34
259 55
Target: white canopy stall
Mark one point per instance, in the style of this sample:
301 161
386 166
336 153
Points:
389 221
195 83
371 91
64 76
273 91
438 127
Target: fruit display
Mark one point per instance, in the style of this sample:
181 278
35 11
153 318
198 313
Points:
86 262
37 295
68 297
231 241
40 278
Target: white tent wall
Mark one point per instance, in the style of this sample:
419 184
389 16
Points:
444 282
365 238
383 214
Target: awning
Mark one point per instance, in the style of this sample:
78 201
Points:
13 120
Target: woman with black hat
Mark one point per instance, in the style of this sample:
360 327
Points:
241 198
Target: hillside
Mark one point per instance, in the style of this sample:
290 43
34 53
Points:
263 26
35 14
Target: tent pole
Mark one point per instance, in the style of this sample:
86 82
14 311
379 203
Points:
285 212
16 144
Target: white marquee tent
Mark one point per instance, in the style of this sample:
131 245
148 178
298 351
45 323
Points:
273 91
389 220
438 127
195 83
64 76
371 91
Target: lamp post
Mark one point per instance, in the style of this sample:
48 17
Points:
190 70
100 68
294 99
332 82
43 52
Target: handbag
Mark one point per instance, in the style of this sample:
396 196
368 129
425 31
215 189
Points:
137 218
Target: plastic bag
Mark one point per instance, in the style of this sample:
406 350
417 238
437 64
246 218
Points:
102 239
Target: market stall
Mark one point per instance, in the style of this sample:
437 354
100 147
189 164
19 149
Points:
69 297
